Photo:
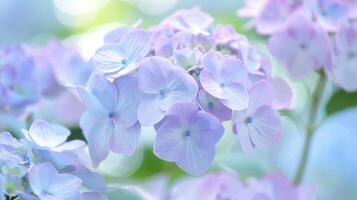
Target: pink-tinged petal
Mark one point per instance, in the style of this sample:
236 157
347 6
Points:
212 105
180 87
266 127
149 111
125 140
261 94
206 129
153 73
128 100
104 91
196 160
210 84
282 93
244 138
170 141
110 58
136 43
282 46
237 96
49 135
98 142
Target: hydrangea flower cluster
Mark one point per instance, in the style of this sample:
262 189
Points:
183 77
219 186
42 165
307 36
28 74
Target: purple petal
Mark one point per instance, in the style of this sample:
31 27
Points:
207 129
90 180
210 84
169 142
212 105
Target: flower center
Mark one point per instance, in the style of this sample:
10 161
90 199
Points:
303 46
248 120
111 115
187 133
210 105
162 93
352 55
124 62
222 85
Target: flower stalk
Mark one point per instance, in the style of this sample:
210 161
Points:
310 127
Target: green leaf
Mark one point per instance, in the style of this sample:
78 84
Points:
341 100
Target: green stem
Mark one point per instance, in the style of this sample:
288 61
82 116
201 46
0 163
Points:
310 127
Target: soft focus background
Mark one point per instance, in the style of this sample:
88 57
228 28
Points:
332 162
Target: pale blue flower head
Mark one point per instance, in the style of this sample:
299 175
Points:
17 80
118 59
110 121
163 85
188 137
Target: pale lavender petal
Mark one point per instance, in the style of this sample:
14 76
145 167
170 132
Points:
261 94
266 127
282 93
153 73
45 181
104 91
212 105
125 140
210 84
45 134
196 160
244 138
180 87
169 142
136 43
206 129
98 142
128 100
149 111
93 181
71 145
237 96
110 58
